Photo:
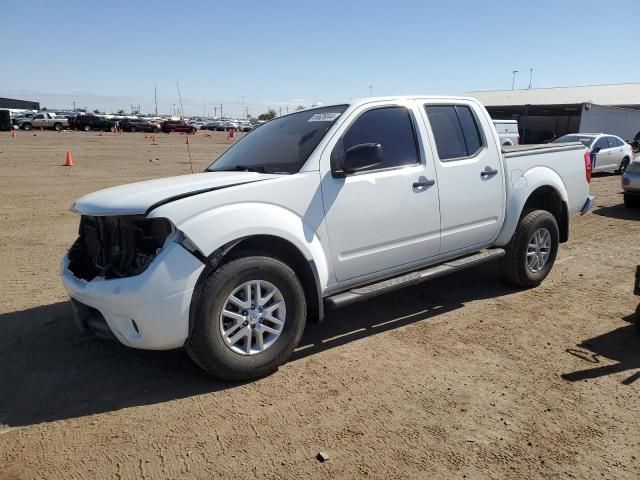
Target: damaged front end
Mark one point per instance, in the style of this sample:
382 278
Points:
116 246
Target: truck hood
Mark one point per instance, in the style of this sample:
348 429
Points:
141 197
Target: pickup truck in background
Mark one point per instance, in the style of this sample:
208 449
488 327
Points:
319 208
507 132
90 122
45 120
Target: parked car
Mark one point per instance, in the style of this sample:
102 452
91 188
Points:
507 132
608 152
45 120
18 120
139 125
169 126
94 122
631 184
245 126
325 206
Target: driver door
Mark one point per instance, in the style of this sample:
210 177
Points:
388 215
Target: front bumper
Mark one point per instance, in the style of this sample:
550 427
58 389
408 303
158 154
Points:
149 310
631 183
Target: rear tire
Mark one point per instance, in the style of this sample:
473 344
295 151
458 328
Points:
58 127
206 344
623 166
87 128
526 264
27 126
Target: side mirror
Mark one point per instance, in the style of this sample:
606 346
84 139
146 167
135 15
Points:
596 149
357 158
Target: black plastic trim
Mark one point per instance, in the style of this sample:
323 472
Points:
450 266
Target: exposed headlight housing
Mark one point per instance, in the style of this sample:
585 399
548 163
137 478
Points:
117 246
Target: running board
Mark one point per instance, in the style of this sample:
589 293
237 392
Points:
368 291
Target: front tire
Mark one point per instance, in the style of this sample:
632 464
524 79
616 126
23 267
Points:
87 128
58 127
240 332
532 249
27 126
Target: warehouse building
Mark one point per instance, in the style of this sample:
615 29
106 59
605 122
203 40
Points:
13 104
546 113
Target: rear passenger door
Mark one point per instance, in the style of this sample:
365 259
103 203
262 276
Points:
470 176
603 155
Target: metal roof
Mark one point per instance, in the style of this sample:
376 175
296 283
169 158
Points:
623 94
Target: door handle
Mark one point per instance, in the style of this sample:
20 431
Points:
424 183
488 172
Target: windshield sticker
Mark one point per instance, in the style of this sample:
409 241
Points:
324 117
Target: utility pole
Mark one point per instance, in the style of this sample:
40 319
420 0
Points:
155 97
243 105
220 110
370 89
530 77
74 106
215 112
248 116
280 112
513 81
287 108
204 108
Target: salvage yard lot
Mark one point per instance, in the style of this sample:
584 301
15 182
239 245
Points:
460 376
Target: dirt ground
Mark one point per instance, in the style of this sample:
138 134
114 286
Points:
462 377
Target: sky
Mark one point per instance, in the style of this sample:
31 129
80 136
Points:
280 54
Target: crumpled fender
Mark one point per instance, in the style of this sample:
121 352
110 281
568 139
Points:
211 229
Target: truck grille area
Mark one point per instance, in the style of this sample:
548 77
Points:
116 246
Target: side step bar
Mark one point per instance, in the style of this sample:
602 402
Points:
368 291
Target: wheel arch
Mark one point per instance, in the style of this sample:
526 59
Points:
539 188
270 245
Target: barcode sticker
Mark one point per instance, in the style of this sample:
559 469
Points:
324 117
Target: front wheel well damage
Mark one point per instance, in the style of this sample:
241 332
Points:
547 198
271 246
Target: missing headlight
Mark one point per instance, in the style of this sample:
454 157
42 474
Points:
116 246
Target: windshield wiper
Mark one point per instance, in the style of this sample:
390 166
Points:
242 168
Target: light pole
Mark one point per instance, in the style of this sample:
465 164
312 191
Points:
530 77
513 82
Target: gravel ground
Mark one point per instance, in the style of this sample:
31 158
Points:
462 377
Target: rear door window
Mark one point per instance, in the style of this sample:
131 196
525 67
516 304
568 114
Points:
455 130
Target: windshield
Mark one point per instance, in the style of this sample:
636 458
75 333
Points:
584 140
281 145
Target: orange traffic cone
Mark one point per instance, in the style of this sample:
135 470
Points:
153 140
145 135
13 134
186 138
68 161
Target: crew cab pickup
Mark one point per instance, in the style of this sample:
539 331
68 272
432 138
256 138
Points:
45 120
319 208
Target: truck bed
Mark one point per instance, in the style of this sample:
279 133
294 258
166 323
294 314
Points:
520 150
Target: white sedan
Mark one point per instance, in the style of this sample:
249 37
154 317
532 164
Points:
609 153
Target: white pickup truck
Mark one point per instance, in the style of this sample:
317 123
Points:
322 207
